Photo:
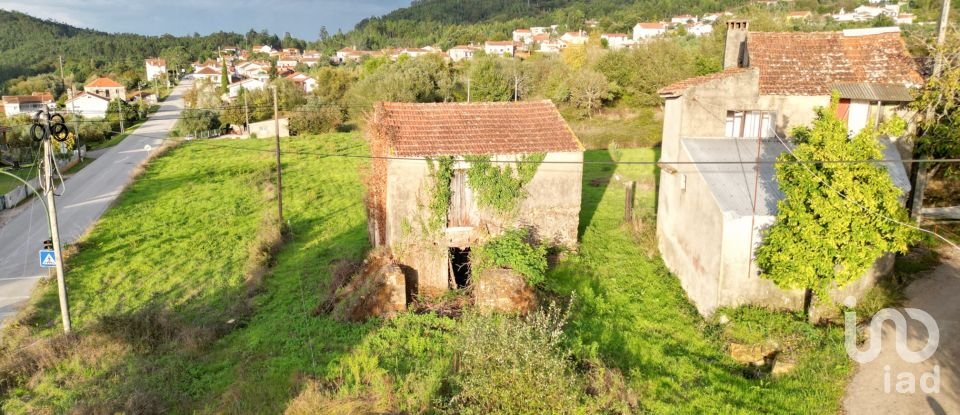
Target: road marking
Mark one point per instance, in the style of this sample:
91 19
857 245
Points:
133 151
38 277
19 297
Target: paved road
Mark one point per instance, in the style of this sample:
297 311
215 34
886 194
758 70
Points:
88 194
873 389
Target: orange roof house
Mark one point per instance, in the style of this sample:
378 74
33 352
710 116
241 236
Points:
409 138
708 214
107 88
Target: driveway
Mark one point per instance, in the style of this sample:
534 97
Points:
87 194
882 386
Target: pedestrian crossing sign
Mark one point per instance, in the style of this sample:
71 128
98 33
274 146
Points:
48 258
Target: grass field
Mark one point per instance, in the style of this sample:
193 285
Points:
173 315
8 183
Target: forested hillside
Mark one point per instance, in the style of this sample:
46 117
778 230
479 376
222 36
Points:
31 46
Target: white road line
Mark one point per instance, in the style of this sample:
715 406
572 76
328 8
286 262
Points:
23 278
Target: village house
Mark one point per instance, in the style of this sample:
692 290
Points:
249 84
107 88
303 81
312 54
648 30
709 214
400 187
148 97
348 54
552 46
698 29
498 48
684 19
208 73
267 49
541 30
88 105
287 62
617 40
523 36
156 68
904 18
461 52
27 104
575 38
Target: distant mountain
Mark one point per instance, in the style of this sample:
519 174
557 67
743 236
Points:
30 46
450 22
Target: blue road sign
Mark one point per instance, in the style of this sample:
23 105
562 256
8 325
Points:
48 258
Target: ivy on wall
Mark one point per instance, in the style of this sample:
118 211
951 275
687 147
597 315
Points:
501 189
441 171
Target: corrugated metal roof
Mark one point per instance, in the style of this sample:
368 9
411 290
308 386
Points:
874 92
732 185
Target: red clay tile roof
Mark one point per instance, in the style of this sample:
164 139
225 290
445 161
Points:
679 86
499 43
459 129
206 70
104 83
654 25
41 97
808 63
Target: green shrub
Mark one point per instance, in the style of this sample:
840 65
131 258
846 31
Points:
509 365
513 250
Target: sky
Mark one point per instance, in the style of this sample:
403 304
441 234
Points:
302 18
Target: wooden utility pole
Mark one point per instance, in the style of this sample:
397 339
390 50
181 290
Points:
48 159
120 114
468 89
276 129
631 188
246 112
919 173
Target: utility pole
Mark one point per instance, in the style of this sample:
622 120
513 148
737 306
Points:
120 114
276 129
52 213
63 79
516 87
246 112
919 173
468 89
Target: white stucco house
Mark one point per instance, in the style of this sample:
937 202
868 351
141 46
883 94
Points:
27 104
523 36
617 40
647 30
709 214
156 68
461 52
249 84
88 105
499 48
575 38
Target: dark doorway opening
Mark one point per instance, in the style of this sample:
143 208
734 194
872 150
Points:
460 267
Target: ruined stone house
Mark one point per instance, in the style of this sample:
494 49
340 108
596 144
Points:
410 137
710 216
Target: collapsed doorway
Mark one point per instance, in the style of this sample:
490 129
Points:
459 267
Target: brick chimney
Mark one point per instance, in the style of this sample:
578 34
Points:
735 50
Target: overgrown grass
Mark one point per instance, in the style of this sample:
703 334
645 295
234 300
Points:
627 127
170 319
8 183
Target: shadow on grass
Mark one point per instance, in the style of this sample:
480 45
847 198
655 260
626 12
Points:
596 178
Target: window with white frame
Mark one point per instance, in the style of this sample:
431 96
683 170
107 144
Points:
750 124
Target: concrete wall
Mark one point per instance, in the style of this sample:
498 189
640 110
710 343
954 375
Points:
690 233
267 128
551 209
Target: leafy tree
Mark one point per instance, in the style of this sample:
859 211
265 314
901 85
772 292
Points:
197 120
488 81
118 108
224 78
940 98
316 118
830 227
588 90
